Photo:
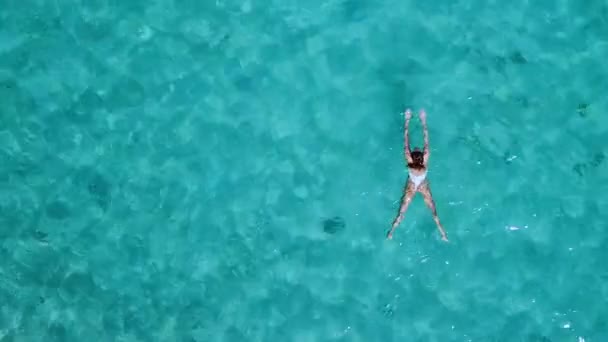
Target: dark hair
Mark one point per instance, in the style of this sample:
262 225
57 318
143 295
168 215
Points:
417 160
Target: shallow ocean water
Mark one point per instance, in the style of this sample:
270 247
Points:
227 171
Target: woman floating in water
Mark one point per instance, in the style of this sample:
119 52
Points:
417 162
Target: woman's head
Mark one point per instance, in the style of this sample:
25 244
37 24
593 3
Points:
417 159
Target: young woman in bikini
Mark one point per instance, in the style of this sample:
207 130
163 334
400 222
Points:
417 163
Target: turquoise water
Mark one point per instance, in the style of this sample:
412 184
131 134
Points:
227 171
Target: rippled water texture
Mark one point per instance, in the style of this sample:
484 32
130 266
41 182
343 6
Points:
227 171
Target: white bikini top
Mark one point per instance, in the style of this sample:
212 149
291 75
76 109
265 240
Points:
417 179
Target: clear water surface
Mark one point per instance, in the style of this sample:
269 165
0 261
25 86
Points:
228 170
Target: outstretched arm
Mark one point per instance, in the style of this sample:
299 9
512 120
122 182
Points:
427 151
406 137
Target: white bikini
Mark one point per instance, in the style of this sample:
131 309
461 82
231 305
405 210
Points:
417 179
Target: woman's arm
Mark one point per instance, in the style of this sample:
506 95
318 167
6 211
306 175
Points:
427 150
406 138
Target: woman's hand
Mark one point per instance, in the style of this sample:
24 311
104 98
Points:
423 116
